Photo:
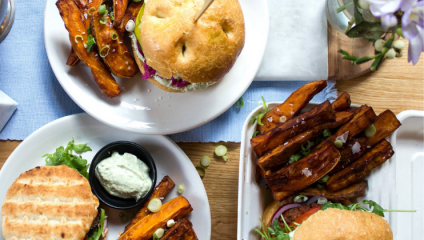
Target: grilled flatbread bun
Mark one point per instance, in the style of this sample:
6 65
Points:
202 51
48 203
335 224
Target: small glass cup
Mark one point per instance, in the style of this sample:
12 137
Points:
7 15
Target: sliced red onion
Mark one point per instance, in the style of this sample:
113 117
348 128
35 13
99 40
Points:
343 137
312 200
148 71
173 81
282 209
139 50
182 83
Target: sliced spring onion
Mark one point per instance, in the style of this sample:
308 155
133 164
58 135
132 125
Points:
101 50
320 186
205 161
111 16
306 150
102 9
103 20
240 103
318 140
155 237
283 119
89 30
90 47
264 104
221 150
91 11
324 179
154 205
326 133
370 130
114 36
300 199
252 120
338 143
159 232
322 200
180 189
91 40
78 36
124 52
170 223
136 0
294 158
202 169
255 133
225 158
259 118
85 45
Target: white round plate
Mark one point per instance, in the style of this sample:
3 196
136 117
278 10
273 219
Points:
142 107
170 160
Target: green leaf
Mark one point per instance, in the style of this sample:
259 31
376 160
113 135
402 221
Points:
344 52
376 63
82 148
370 31
356 14
329 204
352 58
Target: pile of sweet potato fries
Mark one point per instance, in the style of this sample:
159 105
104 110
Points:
145 223
108 55
296 152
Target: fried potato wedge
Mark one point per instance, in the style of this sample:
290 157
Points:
304 172
130 13
280 155
176 208
190 235
361 167
72 58
292 106
385 123
72 18
364 116
177 231
342 102
111 47
272 139
280 196
161 190
119 8
352 191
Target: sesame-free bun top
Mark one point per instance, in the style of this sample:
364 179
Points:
335 224
203 51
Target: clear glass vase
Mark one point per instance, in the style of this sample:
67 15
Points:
7 14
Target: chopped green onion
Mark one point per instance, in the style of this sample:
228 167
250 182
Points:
91 40
111 16
255 133
89 30
90 47
338 144
203 170
221 150
326 133
252 120
300 199
306 150
240 103
124 52
101 50
370 131
259 118
264 104
78 36
225 158
294 158
154 234
205 161
154 205
91 11
324 179
136 0
180 189
319 140
159 233
114 36
102 9
320 186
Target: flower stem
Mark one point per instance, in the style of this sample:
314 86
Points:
344 7
349 24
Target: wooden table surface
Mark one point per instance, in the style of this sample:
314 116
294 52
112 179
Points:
397 85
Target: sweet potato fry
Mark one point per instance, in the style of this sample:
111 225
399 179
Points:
280 196
306 171
111 47
272 139
190 235
292 106
72 18
385 123
162 189
130 13
177 231
352 191
342 102
280 155
176 208
361 167
119 8
72 58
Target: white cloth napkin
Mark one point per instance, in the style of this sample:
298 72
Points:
7 107
297 41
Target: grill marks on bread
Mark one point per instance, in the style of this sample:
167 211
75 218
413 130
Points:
49 203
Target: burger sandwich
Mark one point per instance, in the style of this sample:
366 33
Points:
179 54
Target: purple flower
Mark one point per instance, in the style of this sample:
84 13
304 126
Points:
379 8
413 28
389 21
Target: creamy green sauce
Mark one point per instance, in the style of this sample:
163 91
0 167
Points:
167 82
124 176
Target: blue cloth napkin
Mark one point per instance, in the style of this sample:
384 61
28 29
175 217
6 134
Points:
26 76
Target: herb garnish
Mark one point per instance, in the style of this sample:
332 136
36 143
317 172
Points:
275 232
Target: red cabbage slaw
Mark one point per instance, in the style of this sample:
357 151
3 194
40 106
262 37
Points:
149 72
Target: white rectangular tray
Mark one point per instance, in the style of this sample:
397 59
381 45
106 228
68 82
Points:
397 184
